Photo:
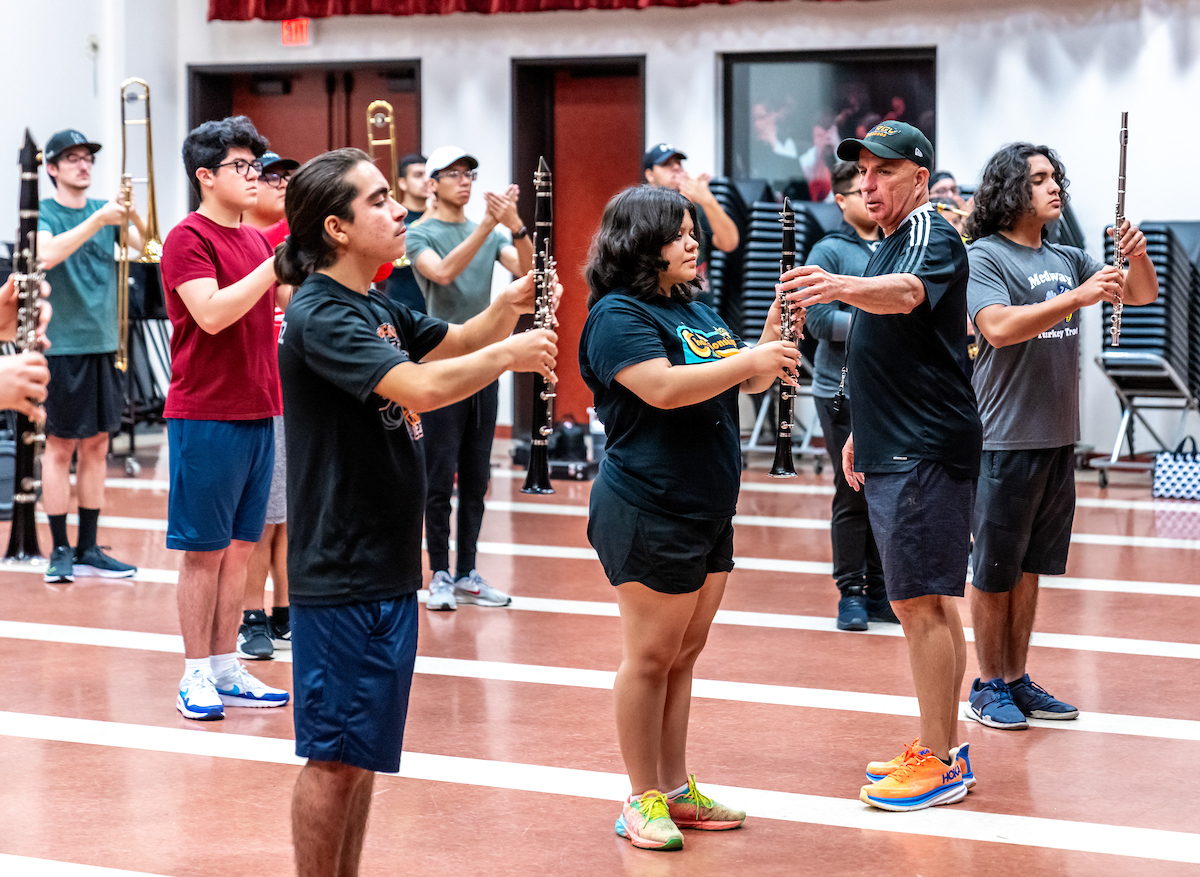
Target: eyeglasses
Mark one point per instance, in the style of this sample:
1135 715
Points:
79 158
275 179
851 192
454 175
944 190
240 166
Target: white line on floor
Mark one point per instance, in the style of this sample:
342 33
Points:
27 866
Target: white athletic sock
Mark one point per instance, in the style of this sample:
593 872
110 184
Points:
678 791
223 665
190 664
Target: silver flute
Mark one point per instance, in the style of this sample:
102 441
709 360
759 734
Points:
1119 260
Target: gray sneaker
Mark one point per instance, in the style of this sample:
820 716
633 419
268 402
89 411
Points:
472 588
441 593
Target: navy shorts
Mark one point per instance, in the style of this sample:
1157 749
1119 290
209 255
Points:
352 672
84 397
1024 509
220 480
668 554
922 525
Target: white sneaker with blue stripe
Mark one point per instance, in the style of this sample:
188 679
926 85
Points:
198 698
239 688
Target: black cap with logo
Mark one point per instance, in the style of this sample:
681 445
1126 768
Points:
64 140
660 153
891 140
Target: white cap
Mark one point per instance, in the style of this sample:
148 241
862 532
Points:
444 156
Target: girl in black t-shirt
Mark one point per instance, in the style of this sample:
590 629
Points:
665 371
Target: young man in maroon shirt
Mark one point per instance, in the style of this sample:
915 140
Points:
224 393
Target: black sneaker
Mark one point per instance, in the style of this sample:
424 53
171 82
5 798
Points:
852 611
281 634
254 637
62 566
881 610
94 562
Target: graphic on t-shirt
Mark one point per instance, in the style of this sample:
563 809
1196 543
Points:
394 414
1062 283
702 346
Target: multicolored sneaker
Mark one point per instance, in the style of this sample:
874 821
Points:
1037 703
646 821
62 566
239 688
991 704
94 562
922 781
693 809
877 770
471 588
198 697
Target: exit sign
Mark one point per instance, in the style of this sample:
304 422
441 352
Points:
295 32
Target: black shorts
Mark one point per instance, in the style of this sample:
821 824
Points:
668 554
84 397
922 524
1024 509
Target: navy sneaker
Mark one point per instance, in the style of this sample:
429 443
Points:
992 705
94 562
62 566
881 610
1037 703
852 612
254 640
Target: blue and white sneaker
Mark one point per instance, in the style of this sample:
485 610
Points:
991 704
239 688
1037 703
94 562
198 697
963 755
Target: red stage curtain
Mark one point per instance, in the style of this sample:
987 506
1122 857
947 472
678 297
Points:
278 10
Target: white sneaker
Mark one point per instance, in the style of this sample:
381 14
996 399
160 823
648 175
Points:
239 688
473 589
198 697
441 593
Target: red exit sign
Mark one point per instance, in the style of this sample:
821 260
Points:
295 32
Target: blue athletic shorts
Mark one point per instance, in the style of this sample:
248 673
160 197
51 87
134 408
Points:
352 672
220 481
922 524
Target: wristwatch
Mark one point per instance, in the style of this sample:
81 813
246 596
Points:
523 232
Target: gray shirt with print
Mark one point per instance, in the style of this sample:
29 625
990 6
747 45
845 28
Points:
1028 393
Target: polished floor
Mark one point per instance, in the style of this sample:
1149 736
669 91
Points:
511 764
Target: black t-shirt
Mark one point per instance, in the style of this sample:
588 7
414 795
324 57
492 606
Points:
401 284
911 397
356 462
685 461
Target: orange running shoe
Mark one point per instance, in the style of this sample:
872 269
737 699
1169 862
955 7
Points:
693 809
877 770
921 782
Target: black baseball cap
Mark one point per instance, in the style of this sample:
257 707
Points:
273 160
64 140
660 153
891 140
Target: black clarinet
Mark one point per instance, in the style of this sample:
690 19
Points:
537 478
27 275
783 467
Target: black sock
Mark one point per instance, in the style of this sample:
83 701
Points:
58 531
87 529
279 615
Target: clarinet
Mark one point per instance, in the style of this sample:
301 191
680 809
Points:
1119 260
545 277
27 275
783 467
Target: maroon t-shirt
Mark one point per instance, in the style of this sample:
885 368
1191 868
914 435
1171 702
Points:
234 374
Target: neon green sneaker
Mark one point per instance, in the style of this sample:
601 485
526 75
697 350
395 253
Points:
646 821
693 809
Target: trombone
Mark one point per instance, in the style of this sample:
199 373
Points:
152 248
379 115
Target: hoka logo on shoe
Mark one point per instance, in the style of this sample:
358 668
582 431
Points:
951 775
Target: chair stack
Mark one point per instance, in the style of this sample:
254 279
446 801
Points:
725 269
1165 327
764 247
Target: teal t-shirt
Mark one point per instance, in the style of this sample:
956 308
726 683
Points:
84 286
471 292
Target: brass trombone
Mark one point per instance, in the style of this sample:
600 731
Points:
152 248
379 115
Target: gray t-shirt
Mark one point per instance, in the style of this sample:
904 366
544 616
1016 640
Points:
840 252
84 284
471 292
1028 393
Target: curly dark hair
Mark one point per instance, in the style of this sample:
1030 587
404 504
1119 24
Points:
208 145
1006 193
626 253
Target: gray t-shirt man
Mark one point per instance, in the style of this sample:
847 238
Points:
1028 393
471 292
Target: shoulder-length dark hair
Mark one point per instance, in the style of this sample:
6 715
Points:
319 189
1006 193
626 253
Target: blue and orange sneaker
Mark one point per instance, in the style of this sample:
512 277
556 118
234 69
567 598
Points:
690 808
646 821
877 770
922 781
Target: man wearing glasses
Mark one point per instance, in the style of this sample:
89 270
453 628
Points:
220 280
76 237
454 258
